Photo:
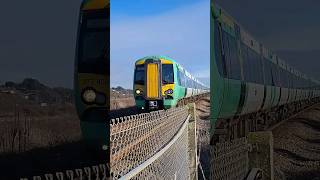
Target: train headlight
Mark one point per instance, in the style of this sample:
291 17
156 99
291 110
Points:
169 91
89 96
138 91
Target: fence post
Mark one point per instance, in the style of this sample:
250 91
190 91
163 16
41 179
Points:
192 138
261 155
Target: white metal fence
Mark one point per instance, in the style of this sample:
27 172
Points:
145 146
151 146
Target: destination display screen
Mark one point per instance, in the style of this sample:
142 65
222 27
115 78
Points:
97 23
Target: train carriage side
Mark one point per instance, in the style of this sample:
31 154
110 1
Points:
180 91
235 84
246 77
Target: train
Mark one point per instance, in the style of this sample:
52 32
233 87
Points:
162 83
251 86
91 72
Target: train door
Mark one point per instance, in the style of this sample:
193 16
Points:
153 88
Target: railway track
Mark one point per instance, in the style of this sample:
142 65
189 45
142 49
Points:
115 113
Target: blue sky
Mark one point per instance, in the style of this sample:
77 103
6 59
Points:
45 48
179 29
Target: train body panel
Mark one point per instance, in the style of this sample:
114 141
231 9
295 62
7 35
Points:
292 95
231 98
254 100
268 98
189 92
298 94
276 92
284 96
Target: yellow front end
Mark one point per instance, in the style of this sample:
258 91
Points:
149 90
147 85
95 4
153 81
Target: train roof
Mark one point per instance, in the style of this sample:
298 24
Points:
228 23
157 57
95 4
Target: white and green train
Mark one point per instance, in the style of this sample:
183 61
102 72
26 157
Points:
250 85
161 83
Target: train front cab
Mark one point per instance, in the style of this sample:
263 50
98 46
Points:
91 85
154 84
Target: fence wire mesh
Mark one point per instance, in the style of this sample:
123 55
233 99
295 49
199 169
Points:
98 172
136 138
230 160
203 147
172 164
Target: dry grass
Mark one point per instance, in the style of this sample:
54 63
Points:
25 126
120 103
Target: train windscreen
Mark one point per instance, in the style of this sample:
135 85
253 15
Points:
139 76
93 43
167 74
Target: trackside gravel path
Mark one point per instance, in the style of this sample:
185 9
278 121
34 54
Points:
297 147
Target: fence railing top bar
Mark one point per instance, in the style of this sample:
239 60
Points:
153 113
145 164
